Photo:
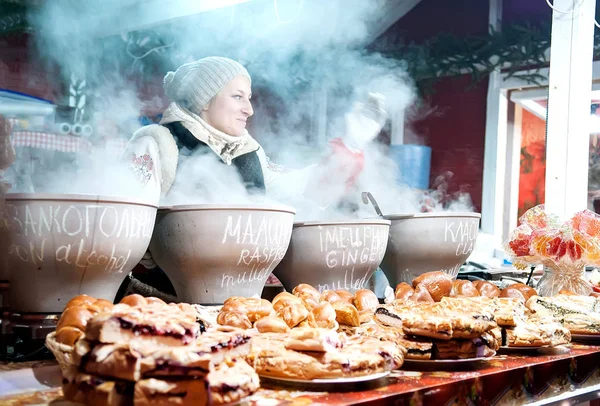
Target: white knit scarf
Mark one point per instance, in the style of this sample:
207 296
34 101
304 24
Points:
227 147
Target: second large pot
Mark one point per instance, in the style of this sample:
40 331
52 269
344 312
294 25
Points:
213 252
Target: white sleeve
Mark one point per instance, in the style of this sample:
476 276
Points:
282 184
143 158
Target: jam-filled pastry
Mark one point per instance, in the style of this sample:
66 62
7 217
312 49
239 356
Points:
234 319
309 294
271 324
155 324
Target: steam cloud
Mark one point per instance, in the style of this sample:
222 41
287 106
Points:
307 56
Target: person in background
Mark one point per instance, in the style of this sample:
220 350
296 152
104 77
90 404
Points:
210 108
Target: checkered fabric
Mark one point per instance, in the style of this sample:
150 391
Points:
55 142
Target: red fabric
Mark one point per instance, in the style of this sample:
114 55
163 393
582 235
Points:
346 162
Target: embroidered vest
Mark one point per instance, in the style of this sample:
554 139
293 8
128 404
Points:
247 165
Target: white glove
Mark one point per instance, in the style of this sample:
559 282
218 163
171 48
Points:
365 122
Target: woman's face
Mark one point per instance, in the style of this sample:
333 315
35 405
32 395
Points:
229 110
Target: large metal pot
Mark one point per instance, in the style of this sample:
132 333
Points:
212 252
334 255
64 245
427 242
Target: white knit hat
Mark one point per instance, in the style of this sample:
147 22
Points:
194 84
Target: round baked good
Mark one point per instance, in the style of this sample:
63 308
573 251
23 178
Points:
421 295
365 300
233 319
134 300
292 311
309 294
345 296
74 319
403 291
257 308
271 324
325 315
437 283
80 299
463 288
330 296
518 291
487 289
285 295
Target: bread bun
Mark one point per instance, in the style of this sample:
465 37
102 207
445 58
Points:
292 311
271 324
421 294
365 300
403 291
234 319
73 321
519 291
133 300
345 296
462 288
437 283
325 315
487 289
309 294
285 295
329 296
257 308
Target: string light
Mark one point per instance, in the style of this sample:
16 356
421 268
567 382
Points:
291 19
575 8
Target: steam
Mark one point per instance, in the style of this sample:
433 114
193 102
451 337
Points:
308 56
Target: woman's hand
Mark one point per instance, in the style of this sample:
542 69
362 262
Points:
364 122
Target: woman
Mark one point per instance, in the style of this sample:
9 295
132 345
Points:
211 104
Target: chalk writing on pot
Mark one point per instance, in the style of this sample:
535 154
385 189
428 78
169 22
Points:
348 246
82 235
262 241
463 233
351 281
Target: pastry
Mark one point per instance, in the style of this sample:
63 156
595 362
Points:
285 295
365 300
403 291
313 339
157 324
271 324
325 315
437 283
292 311
421 294
234 319
536 333
309 294
487 289
329 296
137 360
346 313
462 288
519 291
358 356
345 296
478 347
96 391
75 317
